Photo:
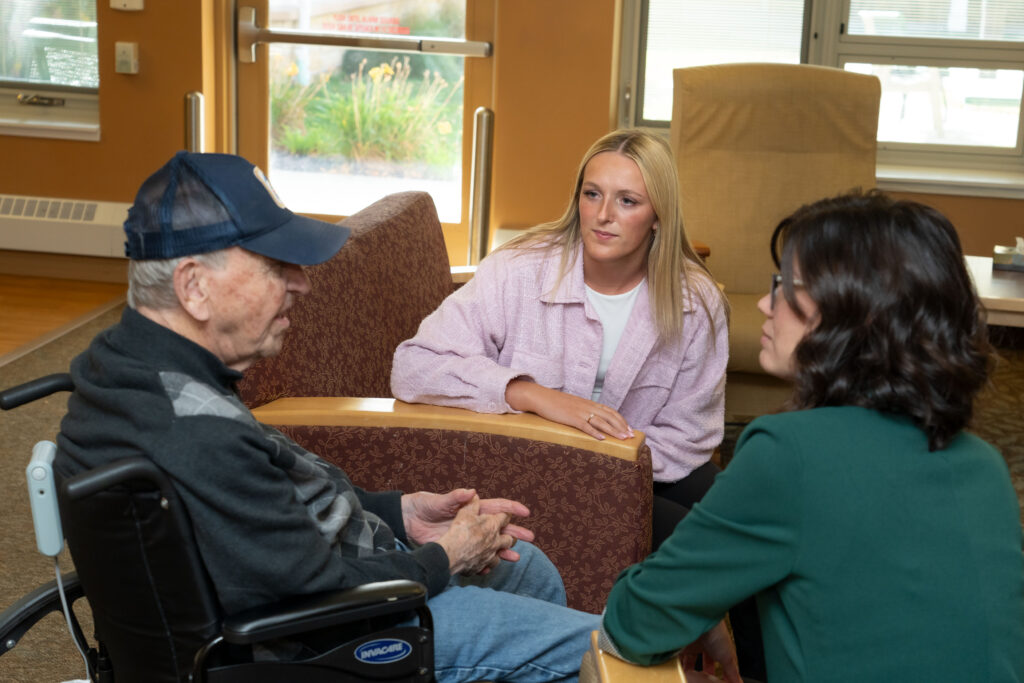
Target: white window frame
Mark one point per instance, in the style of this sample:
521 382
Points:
939 169
77 117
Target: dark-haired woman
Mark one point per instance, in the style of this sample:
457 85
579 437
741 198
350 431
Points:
882 541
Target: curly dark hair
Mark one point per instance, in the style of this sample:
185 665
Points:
900 328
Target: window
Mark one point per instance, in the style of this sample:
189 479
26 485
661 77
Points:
951 73
678 33
49 68
369 121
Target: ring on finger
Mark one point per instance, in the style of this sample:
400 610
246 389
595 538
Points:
590 417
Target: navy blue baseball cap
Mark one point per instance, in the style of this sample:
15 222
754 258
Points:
197 203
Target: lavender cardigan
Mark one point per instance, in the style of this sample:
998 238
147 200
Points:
507 322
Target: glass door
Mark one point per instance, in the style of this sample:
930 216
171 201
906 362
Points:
345 101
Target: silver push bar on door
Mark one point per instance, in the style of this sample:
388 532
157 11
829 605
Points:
480 186
250 35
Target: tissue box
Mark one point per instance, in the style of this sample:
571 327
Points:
1007 258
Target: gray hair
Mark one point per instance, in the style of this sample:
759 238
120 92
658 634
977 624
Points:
151 281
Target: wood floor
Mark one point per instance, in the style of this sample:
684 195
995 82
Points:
36 309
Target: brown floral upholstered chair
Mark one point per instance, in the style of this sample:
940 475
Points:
370 297
590 500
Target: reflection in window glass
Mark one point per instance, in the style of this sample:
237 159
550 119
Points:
349 126
684 33
947 19
947 106
49 42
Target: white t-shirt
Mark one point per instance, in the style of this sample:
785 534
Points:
614 311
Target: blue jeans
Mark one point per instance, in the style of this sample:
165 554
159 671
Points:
509 625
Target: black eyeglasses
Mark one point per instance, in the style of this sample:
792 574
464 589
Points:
776 281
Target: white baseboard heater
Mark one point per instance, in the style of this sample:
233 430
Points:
62 226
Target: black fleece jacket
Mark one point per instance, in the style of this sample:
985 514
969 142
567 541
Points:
271 519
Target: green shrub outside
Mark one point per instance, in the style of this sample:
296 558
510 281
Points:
383 107
378 113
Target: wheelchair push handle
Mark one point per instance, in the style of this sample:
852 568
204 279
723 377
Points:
35 389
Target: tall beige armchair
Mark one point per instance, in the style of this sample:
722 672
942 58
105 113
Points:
753 142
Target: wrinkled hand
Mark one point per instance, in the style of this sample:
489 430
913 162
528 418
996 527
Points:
429 516
593 418
717 647
474 541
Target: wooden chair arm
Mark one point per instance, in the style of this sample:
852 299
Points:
600 667
389 412
590 500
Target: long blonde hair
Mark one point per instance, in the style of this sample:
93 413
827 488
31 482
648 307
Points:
669 257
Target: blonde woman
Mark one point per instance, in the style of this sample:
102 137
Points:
604 320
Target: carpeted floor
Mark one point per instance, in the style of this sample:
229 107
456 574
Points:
46 654
999 411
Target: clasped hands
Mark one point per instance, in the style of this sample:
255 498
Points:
476 534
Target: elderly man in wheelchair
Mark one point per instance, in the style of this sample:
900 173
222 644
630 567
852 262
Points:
216 263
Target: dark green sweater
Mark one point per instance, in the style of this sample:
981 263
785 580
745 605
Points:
871 558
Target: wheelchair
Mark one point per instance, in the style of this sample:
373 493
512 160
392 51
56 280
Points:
155 612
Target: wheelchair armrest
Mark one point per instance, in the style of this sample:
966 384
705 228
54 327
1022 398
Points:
17 619
117 472
305 613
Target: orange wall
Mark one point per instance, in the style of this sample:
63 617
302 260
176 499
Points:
142 120
981 222
553 73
